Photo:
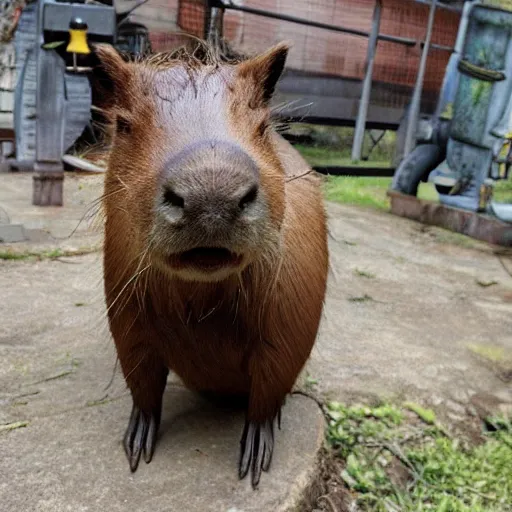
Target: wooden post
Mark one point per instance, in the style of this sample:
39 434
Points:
357 145
47 189
50 110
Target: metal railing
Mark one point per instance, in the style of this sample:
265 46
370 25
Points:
214 28
405 41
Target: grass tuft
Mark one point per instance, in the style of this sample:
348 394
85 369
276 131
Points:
364 273
52 254
394 464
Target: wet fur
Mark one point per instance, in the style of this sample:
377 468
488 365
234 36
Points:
250 334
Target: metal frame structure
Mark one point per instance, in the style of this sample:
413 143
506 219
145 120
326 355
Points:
214 27
469 144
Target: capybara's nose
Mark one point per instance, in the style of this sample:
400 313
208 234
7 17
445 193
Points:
212 186
210 205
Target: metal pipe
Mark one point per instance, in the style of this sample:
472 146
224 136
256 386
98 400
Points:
410 136
406 41
442 47
357 145
214 25
446 7
450 80
463 26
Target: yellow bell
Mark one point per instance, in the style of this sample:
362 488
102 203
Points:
78 37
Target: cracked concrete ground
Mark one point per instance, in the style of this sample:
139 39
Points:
412 312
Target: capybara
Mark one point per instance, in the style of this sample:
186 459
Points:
215 255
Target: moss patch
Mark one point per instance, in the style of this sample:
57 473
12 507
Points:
492 353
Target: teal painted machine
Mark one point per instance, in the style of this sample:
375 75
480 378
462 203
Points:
470 140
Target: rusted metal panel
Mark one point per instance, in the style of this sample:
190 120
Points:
476 225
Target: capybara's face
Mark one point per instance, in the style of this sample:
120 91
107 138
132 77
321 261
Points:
192 156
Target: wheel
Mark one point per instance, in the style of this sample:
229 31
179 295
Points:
416 168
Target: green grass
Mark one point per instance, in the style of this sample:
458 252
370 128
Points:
503 191
321 156
41 255
370 191
358 191
52 254
399 461
354 190
365 191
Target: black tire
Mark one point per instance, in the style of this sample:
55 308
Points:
416 168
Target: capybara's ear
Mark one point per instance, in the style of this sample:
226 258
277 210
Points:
111 76
264 71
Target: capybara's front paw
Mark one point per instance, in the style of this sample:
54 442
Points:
140 436
257 445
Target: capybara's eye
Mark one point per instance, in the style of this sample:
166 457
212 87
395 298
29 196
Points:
123 125
173 199
249 198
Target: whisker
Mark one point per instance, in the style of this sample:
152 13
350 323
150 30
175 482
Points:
298 176
136 366
127 284
96 203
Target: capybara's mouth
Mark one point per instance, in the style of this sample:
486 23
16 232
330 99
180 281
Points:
206 258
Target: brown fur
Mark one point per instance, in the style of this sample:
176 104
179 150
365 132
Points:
251 332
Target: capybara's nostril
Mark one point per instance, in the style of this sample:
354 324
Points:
173 199
249 197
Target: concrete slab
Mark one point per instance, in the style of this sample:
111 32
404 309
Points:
407 313
57 361
10 233
410 314
74 461
75 225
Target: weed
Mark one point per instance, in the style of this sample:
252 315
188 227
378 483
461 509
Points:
364 298
310 382
427 415
13 426
364 273
441 474
51 254
485 284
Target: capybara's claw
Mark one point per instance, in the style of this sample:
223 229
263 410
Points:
257 445
140 436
